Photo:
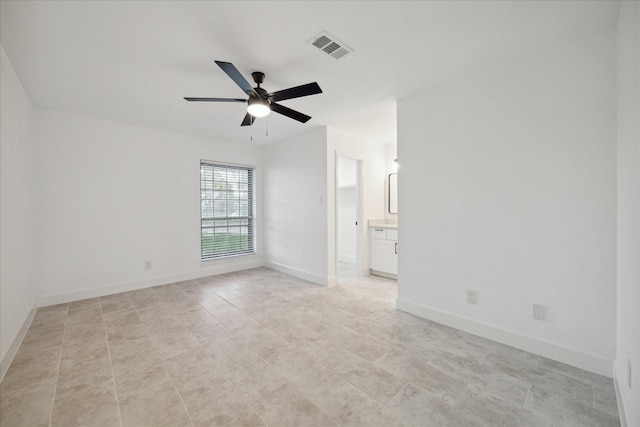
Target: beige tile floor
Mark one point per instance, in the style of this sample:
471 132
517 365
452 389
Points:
259 348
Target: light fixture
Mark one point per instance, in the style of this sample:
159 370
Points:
258 107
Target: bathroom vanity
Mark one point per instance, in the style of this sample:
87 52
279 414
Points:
383 248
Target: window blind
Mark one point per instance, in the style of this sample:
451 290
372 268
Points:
226 210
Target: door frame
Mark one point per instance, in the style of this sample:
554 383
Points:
360 270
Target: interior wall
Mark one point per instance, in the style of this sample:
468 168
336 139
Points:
371 187
628 267
295 224
19 252
509 188
112 196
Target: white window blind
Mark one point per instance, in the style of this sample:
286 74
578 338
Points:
226 210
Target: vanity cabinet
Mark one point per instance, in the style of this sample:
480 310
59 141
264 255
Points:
384 251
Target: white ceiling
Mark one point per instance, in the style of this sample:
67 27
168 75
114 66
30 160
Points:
134 61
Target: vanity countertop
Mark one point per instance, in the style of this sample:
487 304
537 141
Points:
383 223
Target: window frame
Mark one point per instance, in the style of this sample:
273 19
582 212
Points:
250 218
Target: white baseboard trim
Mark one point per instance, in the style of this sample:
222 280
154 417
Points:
552 350
622 413
16 343
115 288
383 274
332 281
347 258
301 274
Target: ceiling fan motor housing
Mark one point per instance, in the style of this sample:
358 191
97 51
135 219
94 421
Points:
262 98
263 93
258 77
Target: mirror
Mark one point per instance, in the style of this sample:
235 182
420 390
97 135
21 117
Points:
393 193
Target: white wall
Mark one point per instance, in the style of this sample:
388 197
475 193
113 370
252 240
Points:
508 187
112 195
628 322
295 214
19 248
372 187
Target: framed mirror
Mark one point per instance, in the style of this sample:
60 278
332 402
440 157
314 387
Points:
393 193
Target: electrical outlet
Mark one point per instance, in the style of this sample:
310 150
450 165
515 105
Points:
539 312
147 264
472 296
629 372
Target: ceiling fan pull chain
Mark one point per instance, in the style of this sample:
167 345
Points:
267 134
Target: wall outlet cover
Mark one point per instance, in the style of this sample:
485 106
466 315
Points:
539 312
472 296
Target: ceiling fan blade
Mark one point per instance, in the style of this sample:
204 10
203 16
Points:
295 92
248 120
293 114
215 99
235 75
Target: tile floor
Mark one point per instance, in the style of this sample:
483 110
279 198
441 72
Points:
259 348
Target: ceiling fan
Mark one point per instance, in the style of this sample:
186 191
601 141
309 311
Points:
261 102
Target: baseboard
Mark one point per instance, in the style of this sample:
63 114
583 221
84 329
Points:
332 281
206 270
301 274
552 350
347 258
16 343
383 274
622 413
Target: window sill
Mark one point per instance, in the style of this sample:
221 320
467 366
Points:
228 258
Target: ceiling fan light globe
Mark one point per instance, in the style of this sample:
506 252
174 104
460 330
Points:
258 107
258 110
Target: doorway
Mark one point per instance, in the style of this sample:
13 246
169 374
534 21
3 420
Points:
348 214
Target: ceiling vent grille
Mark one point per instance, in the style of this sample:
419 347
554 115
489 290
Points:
330 45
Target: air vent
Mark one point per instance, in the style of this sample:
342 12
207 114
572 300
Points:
330 45
321 42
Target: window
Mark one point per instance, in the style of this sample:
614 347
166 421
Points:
226 210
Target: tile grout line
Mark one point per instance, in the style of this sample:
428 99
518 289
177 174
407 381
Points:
199 346
251 403
527 395
113 373
163 361
257 414
55 387
349 382
294 386
186 408
397 393
258 355
142 324
466 387
184 405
